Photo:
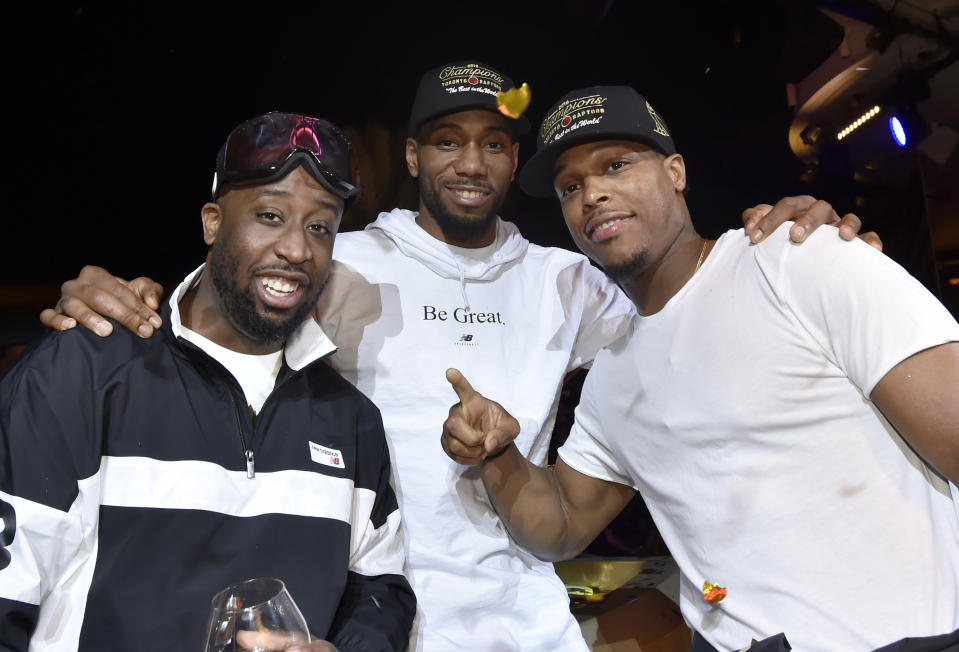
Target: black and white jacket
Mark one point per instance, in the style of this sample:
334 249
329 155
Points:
127 505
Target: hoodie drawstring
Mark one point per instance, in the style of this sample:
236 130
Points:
459 268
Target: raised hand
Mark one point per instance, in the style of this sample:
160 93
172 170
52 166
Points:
477 427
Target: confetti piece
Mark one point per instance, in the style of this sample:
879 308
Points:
713 593
513 102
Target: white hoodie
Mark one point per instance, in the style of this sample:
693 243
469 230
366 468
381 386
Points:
403 307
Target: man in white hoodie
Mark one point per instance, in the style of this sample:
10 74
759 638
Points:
452 285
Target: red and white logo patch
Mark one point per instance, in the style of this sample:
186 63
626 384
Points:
326 456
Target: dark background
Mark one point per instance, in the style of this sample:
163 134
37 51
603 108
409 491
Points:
115 114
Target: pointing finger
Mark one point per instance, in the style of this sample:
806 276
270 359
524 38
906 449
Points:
461 386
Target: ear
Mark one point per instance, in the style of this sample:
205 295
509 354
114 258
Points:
515 161
675 167
412 164
212 216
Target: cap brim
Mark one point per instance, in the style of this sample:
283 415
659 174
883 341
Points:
536 177
521 125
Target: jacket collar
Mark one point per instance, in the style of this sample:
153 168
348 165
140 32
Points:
307 344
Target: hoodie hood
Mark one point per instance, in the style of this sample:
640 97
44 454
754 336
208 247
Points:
400 226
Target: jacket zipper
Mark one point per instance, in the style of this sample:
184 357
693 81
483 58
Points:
247 450
248 455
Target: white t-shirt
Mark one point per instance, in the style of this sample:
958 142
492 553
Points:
740 412
402 308
255 373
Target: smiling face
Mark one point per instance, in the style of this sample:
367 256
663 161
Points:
464 163
623 204
270 251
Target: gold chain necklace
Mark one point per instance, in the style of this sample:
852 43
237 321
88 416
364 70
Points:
702 254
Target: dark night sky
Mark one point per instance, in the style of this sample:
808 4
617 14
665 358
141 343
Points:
114 115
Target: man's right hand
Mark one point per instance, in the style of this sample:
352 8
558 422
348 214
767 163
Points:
477 427
96 293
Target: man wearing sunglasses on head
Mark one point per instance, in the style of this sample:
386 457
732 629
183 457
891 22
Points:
143 476
452 284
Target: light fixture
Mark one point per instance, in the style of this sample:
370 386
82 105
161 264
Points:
898 131
858 122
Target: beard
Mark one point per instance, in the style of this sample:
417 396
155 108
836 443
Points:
629 269
457 227
240 304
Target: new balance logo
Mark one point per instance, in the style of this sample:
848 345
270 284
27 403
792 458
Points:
466 338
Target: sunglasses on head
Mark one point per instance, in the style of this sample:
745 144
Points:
269 146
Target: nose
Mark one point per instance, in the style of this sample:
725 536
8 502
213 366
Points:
470 162
594 192
293 245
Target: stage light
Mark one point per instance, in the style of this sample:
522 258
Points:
858 122
898 131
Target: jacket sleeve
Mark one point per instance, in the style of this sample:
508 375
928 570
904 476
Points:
41 492
377 607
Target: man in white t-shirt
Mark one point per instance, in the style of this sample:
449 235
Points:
452 284
800 475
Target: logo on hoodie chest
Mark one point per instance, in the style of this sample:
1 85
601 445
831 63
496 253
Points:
462 316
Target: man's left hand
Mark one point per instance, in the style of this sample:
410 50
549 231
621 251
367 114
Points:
808 213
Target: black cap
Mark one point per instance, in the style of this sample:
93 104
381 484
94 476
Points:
586 115
460 86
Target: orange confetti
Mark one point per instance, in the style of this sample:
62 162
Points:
713 593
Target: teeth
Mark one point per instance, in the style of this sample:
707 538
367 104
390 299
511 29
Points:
604 225
279 285
470 194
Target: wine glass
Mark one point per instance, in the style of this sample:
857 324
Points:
257 615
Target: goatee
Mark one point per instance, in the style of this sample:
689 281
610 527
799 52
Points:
629 269
457 227
241 307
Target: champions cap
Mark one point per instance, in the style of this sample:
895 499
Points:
586 115
460 86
